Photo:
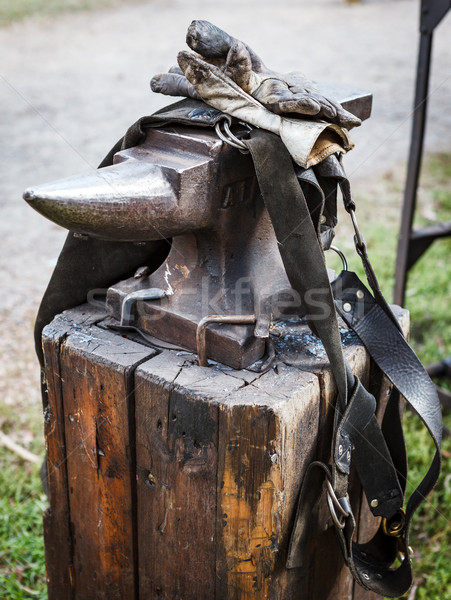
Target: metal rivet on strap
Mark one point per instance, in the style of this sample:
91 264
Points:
340 449
348 455
365 576
323 219
347 307
374 503
360 295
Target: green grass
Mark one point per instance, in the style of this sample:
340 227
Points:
16 10
429 292
431 530
22 502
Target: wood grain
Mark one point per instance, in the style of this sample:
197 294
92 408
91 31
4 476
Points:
97 459
171 481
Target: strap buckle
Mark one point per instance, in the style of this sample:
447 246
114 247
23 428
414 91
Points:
395 527
341 504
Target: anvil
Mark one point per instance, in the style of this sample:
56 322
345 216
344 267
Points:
184 183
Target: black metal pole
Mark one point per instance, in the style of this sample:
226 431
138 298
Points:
414 165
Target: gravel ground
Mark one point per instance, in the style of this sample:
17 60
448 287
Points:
71 85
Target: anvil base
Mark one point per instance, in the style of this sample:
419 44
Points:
232 345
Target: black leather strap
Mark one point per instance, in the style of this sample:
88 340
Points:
298 243
393 355
360 431
378 453
388 348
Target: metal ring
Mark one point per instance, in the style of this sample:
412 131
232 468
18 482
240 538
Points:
333 497
333 514
229 137
246 125
224 138
233 137
341 255
333 502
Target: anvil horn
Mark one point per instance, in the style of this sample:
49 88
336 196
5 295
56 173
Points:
129 201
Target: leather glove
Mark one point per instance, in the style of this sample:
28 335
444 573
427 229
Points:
280 93
235 81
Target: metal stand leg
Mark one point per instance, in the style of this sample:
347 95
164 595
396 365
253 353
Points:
412 244
403 263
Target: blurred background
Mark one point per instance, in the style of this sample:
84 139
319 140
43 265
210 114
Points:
74 74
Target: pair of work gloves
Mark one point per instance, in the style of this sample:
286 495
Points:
226 74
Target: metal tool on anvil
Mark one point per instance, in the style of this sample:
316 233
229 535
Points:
186 183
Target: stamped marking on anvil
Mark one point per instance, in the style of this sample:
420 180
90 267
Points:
238 192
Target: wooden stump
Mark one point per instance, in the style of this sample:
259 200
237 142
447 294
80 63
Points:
178 482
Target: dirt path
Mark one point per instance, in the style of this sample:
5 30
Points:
71 85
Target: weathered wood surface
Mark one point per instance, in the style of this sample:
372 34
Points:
216 457
177 482
56 520
90 530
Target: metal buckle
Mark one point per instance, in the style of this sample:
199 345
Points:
229 138
341 255
333 503
394 527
